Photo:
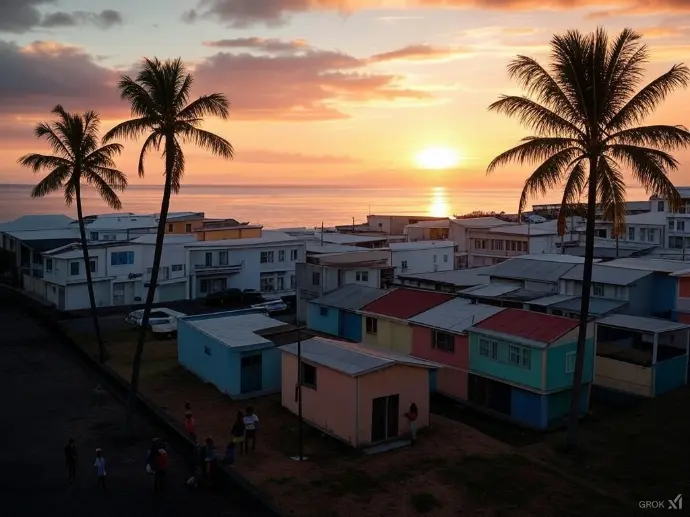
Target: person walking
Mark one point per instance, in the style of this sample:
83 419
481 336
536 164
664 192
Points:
251 421
238 431
160 467
99 465
189 422
71 459
411 416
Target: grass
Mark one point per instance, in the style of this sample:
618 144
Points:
424 502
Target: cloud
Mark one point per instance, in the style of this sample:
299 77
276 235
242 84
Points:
268 45
267 156
19 16
273 13
665 32
419 53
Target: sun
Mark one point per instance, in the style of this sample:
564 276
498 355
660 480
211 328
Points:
437 158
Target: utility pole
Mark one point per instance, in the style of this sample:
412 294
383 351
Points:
300 456
321 233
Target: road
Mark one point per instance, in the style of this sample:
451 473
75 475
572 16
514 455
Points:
48 396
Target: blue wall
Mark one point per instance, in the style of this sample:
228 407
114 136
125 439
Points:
528 408
327 323
271 371
664 293
556 375
558 404
351 326
641 295
669 374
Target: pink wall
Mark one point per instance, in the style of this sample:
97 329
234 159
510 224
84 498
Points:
332 406
409 382
451 380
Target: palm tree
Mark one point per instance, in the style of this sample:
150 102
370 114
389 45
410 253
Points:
585 112
160 109
78 159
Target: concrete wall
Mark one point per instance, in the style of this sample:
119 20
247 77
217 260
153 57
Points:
622 376
390 334
433 258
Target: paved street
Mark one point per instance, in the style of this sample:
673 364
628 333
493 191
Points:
48 396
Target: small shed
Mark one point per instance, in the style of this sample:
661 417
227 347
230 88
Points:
236 351
641 356
354 393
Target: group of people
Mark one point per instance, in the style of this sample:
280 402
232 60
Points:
98 464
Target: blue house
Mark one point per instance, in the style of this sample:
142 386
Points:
334 313
521 366
235 351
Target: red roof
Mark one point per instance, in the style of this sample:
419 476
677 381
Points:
405 303
536 326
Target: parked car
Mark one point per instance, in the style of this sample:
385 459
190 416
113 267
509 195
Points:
233 298
162 321
272 306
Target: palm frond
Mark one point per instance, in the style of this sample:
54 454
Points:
103 156
113 177
153 141
178 169
572 191
611 194
37 162
142 104
183 89
44 130
538 118
214 105
53 182
209 141
105 190
665 137
624 69
532 150
129 129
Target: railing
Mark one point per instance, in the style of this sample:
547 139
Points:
226 268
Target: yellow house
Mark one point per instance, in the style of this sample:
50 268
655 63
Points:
240 231
184 222
384 321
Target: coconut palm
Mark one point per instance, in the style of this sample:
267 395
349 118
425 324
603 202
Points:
161 112
78 159
585 111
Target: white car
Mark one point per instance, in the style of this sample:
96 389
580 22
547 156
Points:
161 320
271 306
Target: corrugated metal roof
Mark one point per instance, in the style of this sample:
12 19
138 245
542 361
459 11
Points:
640 324
350 297
547 301
597 306
457 277
529 269
647 264
490 290
421 245
351 359
456 315
234 330
607 274
404 303
534 326
522 295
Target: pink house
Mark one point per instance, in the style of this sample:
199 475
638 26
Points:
440 335
354 393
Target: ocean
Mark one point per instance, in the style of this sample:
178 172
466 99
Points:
278 206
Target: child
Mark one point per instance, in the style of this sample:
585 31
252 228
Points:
189 422
250 423
411 416
99 465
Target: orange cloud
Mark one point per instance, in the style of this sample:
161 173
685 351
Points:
283 158
268 45
419 53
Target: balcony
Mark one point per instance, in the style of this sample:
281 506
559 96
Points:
204 270
166 273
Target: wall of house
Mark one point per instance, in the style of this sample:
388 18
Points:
501 368
351 326
323 319
410 383
558 404
543 243
390 334
436 258
181 226
229 233
622 376
670 374
557 359
271 359
369 276
545 287
331 407
459 234
664 294
77 295
452 380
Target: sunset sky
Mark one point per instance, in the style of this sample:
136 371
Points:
321 91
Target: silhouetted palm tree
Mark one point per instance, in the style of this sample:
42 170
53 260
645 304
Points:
78 160
159 98
584 111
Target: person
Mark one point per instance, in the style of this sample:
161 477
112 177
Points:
189 422
251 421
160 467
151 457
99 465
411 416
71 459
210 456
237 433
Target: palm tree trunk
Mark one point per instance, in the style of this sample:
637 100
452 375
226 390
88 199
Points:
102 356
571 437
158 252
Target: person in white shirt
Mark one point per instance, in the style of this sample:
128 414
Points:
99 465
251 422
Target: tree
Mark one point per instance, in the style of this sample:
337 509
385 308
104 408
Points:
585 112
78 159
159 105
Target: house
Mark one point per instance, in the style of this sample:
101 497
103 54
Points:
336 312
459 233
521 366
265 263
428 230
353 393
120 227
384 322
346 239
683 302
534 272
440 335
646 228
236 351
225 229
184 222
422 256
396 224
488 246
632 207
447 281
639 356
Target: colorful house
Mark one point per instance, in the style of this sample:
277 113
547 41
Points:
384 321
335 313
354 393
236 351
440 335
522 364
641 356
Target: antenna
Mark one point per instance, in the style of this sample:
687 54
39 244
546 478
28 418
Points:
321 233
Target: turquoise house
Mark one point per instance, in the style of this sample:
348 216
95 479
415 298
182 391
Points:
521 366
335 313
236 351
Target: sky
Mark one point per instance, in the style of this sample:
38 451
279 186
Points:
321 91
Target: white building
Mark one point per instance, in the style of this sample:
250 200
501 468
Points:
120 227
265 263
428 230
422 257
460 233
647 228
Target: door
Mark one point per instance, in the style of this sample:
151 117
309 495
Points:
251 373
385 414
119 294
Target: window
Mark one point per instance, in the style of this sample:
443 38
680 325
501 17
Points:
435 259
266 257
445 258
74 268
442 341
208 259
170 227
188 228
570 362
519 356
362 276
293 255
49 264
281 256
316 278
207 350
308 376
671 224
496 245
643 234
477 244
223 258
267 284
323 311
526 358
488 348
93 236
631 233
597 289
280 283
292 282
372 325
178 267
122 258
651 237
660 206
680 226
93 266
404 265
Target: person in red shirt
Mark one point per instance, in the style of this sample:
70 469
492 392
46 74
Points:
411 416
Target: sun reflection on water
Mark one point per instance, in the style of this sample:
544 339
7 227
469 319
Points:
438 205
